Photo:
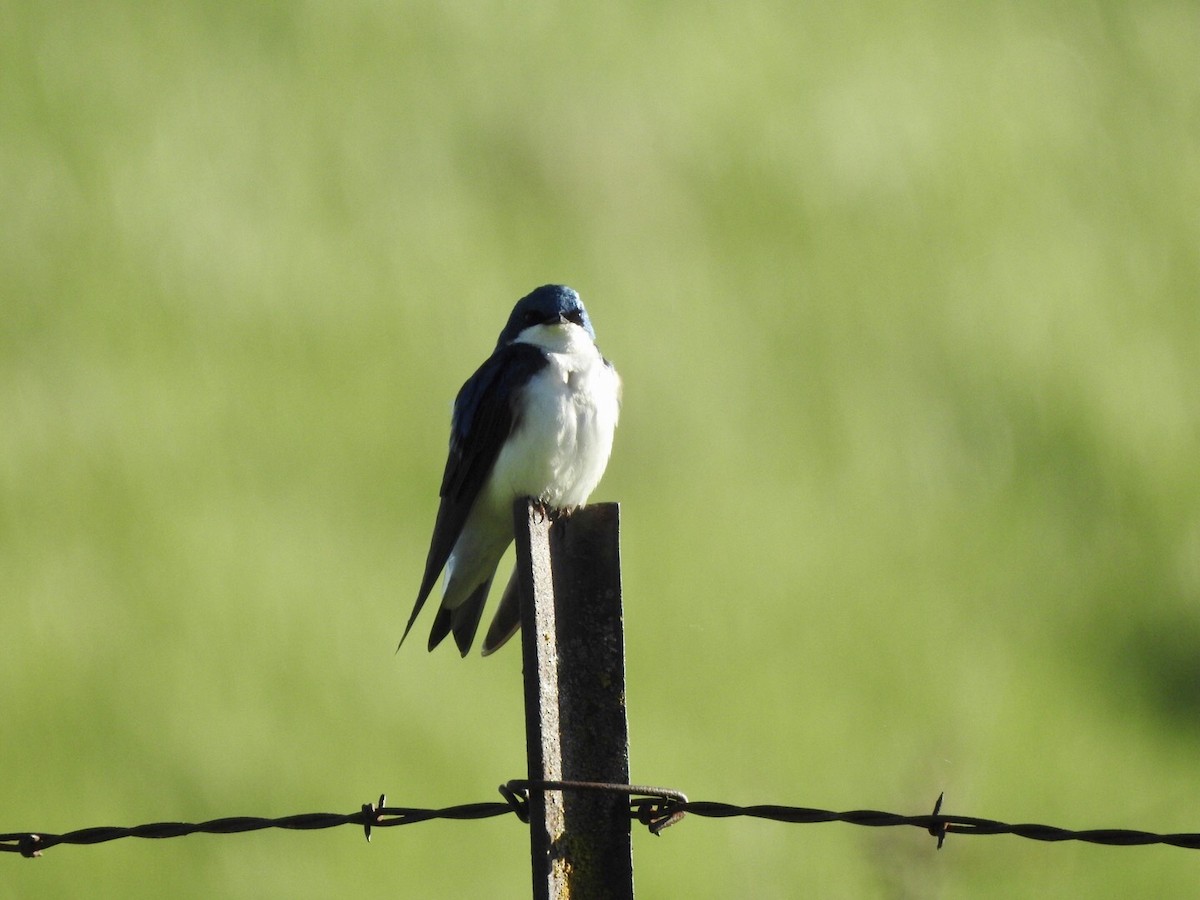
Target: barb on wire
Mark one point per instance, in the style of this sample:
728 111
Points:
32 844
940 825
656 808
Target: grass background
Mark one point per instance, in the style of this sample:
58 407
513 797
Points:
905 300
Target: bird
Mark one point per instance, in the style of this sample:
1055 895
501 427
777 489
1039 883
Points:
536 421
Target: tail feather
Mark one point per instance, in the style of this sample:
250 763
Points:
507 621
465 619
442 620
462 619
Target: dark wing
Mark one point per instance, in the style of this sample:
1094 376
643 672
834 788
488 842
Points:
482 421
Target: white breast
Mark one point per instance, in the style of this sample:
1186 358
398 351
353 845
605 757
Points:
560 446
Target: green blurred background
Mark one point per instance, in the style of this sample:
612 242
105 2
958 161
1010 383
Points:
906 304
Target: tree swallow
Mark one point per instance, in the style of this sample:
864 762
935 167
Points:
535 420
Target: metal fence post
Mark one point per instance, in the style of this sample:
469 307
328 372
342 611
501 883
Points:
573 649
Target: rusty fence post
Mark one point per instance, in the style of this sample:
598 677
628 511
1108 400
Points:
573 651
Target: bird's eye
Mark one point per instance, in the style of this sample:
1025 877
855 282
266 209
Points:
531 318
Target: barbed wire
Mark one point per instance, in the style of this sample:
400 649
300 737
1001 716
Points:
656 808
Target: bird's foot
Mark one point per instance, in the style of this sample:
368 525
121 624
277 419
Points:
560 515
545 511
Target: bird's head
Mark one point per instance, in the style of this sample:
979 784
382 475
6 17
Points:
550 307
